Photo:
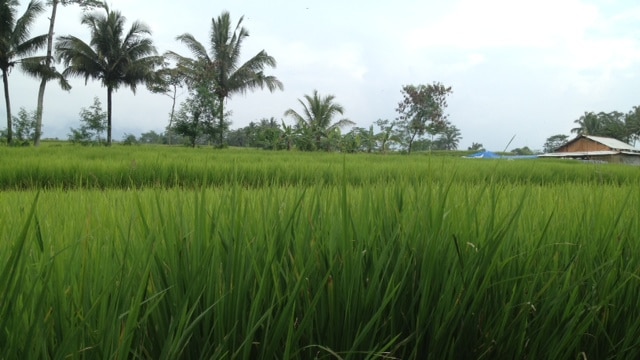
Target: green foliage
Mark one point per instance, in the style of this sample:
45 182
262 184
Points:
388 134
615 124
476 147
129 139
522 151
408 257
315 124
449 138
554 142
422 111
115 56
151 137
17 45
158 166
24 127
221 71
265 134
93 123
196 118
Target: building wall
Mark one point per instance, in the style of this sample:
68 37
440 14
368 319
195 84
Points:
630 159
615 159
583 144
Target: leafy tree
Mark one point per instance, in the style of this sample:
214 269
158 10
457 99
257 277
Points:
196 118
129 139
476 147
351 141
114 56
188 121
422 110
223 67
152 137
522 151
16 44
167 81
368 139
24 126
423 144
93 124
632 122
264 134
553 142
614 126
359 140
387 133
316 121
268 134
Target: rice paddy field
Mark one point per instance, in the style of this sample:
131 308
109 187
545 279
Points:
175 253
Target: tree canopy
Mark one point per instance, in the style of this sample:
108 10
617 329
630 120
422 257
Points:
422 110
317 118
222 68
114 56
16 44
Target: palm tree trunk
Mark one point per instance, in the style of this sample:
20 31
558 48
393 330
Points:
43 82
413 136
109 93
221 121
5 81
173 110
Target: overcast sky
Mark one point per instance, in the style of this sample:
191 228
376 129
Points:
518 68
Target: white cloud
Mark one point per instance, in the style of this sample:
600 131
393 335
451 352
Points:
343 59
507 23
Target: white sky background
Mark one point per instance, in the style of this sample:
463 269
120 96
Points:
517 67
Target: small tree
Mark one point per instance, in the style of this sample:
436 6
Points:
387 133
24 127
316 120
129 139
152 137
287 136
476 147
422 110
196 118
93 124
167 81
449 138
522 151
554 142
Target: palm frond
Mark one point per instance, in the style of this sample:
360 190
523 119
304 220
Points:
22 28
196 48
30 46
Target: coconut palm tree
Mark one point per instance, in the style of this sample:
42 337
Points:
588 124
114 56
16 44
449 138
317 116
221 68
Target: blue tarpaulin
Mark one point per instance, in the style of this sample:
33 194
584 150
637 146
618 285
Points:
492 155
484 155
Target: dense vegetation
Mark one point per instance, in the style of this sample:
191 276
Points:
150 252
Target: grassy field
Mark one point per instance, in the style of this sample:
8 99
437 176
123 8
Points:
167 253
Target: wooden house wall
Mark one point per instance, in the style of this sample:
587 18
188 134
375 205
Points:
583 144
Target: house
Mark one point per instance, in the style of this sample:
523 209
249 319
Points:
598 149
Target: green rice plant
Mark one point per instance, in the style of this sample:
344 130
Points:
341 257
157 166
